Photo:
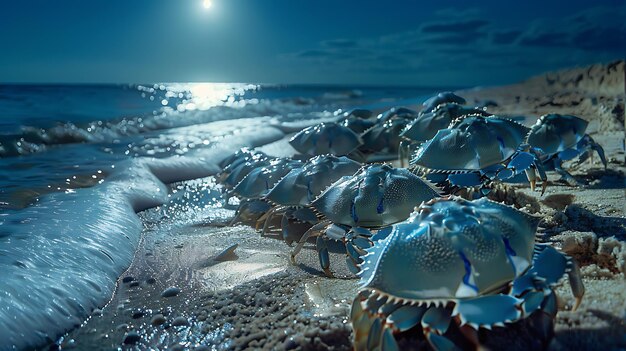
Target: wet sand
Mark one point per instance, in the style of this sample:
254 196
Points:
260 300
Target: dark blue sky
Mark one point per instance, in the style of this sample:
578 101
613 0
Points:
429 43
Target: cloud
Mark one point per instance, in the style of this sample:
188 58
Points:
340 43
455 27
506 37
460 47
454 39
312 53
613 39
545 39
599 29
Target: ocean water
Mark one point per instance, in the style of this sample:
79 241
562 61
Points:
78 161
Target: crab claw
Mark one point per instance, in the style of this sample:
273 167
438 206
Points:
598 148
521 161
550 264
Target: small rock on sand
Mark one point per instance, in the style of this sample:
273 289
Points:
137 314
180 321
157 319
132 337
170 292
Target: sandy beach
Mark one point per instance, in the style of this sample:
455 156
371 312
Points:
176 295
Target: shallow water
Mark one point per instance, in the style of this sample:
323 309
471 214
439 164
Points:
77 162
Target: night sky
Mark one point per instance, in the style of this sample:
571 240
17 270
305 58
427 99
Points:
415 43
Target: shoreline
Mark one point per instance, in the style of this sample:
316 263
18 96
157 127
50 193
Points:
313 308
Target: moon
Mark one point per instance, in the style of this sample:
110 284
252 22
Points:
207 4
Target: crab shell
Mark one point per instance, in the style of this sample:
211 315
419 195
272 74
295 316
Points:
385 134
377 196
473 143
428 124
261 179
396 112
359 113
326 138
358 120
555 133
240 165
239 155
301 185
441 98
451 248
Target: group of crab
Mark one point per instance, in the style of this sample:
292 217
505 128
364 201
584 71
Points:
428 260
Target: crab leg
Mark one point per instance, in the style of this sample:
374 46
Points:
235 220
575 282
312 232
376 327
404 150
565 175
531 175
322 252
542 174
361 321
543 323
352 258
357 241
435 323
264 217
537 165
589 145
267 217
600 152
401 153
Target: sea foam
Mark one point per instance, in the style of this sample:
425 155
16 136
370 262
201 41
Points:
61 257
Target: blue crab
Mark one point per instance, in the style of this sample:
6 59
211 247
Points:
326 138
383 139
476 150
250 210
457 264
375 197
427 124
260 180
441 98
561 138
397 112
237 156
358 120
295 191
256 184
238 165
